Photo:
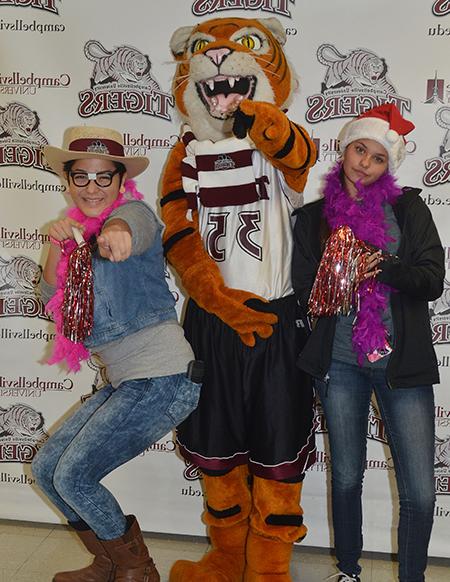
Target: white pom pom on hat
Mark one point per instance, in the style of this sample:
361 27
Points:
385 125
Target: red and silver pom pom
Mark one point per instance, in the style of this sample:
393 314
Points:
78 303
341 270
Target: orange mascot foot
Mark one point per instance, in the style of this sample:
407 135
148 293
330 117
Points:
224 563
268 559
227 510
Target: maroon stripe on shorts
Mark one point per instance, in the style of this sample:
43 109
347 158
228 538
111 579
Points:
286 470
214 464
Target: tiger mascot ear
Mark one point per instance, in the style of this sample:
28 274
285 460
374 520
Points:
178 42
276 28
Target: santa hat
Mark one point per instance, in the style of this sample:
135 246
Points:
385 125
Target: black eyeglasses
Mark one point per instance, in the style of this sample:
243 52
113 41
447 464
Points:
102 179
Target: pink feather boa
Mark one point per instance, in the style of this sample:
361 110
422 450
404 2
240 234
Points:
64 348
365 216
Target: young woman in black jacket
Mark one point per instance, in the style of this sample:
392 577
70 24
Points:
383 344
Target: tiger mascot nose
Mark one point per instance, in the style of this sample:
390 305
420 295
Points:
218 55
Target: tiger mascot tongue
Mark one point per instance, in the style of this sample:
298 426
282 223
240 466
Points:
229 189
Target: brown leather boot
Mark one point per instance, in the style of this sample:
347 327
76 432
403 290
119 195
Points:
228 507
130 557
101 569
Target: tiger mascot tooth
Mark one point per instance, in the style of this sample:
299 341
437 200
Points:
228 192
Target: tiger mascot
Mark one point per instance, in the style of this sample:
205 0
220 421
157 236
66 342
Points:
228 192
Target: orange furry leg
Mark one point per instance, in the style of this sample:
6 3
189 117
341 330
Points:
276 522
228 507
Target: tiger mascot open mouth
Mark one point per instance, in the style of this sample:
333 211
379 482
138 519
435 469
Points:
224 61
221 93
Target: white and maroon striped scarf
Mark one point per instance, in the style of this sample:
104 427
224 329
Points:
219 173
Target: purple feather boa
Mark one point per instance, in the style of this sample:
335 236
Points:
365 216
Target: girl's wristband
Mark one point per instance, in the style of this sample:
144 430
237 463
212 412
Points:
59 243
56 242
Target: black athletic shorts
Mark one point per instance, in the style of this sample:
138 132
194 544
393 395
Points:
256 406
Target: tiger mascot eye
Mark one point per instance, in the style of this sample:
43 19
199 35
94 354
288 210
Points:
229 189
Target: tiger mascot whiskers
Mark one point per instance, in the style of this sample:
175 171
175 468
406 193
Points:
228 192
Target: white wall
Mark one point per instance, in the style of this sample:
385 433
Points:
44 67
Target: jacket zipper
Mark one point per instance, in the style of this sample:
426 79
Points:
394 314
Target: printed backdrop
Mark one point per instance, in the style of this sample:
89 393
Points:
107 63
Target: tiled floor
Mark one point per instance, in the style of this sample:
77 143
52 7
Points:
34 552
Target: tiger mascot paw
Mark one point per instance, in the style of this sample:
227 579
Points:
265 124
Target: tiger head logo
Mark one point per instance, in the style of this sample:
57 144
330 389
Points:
443 120
358 69
20 420
442 452
18 122
441 306
123 64
374 68
223 59
19 274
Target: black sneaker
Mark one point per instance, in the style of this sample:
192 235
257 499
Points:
342 577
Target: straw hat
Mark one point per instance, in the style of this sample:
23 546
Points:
82 142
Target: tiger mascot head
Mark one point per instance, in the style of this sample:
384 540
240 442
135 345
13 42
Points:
223 59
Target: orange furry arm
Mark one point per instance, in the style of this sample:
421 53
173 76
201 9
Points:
286 144
199 273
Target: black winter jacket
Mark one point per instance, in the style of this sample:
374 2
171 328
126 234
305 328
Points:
417 273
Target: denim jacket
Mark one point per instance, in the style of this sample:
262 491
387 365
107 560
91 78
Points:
130 295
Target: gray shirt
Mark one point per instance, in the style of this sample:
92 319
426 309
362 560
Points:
342 345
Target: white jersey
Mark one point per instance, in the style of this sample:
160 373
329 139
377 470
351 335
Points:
245 216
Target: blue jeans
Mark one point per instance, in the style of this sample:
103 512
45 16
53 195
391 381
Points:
109 429
408 417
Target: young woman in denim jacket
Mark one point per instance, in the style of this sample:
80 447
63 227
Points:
136 334
387 347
